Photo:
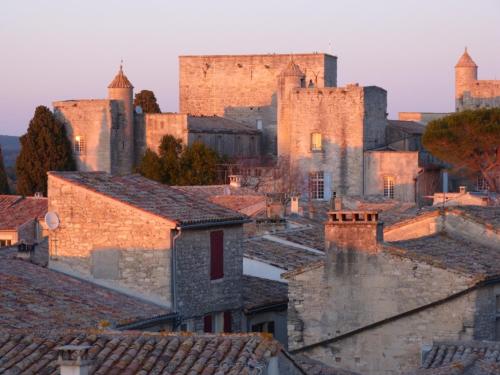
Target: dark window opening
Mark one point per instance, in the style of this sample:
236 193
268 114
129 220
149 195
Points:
207 324
227 322
216 255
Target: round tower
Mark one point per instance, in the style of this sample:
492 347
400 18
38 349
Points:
120 89
465 74
292 77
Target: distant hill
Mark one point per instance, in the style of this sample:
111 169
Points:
10 149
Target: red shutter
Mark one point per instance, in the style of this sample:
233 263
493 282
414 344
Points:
216 255
207 323
227 321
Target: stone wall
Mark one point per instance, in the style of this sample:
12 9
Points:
355 289
243 87
402 165
197 295
161 124
342 115
106 240
395 347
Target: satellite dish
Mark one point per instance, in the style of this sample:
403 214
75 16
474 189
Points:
52 220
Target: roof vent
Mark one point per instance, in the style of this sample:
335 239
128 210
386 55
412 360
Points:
74 359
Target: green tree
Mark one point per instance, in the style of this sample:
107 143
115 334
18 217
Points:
45 147
198 165
468 140
146 99
4 182
151 166
170 152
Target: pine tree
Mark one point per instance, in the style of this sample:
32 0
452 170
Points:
4 183
146 99
45 147
198 165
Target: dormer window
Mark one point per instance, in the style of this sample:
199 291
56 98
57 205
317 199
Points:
80 144
316 142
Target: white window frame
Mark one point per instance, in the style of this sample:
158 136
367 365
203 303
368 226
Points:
389 186
317 185
80 146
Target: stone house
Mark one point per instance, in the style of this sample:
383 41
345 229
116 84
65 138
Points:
21 219
151 241
370 305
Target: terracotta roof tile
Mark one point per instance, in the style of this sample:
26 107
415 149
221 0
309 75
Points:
461 358
120 81
36 298
16 210
465 61
142 353
158 199
258 292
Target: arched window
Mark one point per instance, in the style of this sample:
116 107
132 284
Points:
80 145
316 142
389 186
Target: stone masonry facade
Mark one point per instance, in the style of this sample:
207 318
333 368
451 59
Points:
106 240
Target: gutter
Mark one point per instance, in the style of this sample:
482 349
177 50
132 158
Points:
146 323
214 224
278 306
480 284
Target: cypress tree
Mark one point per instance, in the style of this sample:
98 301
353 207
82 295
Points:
4 183
151 167
45 147
198 165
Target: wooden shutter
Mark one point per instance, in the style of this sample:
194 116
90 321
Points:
216 255
207 324
227 321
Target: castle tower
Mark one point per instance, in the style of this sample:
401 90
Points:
465 75
121 89
289 79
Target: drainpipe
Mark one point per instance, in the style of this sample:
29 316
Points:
174 269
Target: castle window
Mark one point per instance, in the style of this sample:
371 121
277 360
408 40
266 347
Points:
80 144
316 142
389 186
317 185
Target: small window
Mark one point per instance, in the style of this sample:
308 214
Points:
389 187
259 124
317 185
228 326
216 255
482 184
80 144
316 142
207 324
5 243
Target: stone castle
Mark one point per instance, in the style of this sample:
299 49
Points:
470 92
275 105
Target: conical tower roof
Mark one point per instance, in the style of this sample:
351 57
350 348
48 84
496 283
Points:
120 81
466 61
292 69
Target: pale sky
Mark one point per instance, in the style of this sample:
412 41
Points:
67 49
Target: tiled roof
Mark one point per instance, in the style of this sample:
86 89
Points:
36 298
120 81
244 200
465 61
410 127
313 367
486 215
462 358
217 124
142 353
16 210
259 292
162 200
278 254
441 250
313 237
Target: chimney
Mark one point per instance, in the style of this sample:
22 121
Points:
294 205
353 230
74 359
462 189
235 180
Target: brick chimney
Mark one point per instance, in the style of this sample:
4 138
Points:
353 230
74 359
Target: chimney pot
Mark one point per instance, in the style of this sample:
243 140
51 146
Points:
74 359
235 180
